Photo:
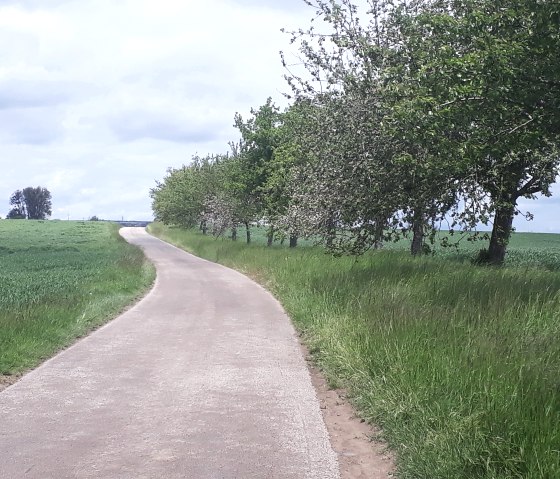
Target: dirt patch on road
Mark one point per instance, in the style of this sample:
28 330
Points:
6 381
360 456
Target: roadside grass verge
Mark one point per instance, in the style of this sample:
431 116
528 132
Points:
459 365
58 281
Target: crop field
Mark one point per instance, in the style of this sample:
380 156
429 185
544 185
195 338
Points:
59 280
459 364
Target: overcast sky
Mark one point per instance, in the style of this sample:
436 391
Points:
99 97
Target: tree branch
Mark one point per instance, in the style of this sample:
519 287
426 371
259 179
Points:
451 102
513 130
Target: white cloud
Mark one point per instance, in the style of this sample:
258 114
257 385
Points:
34 126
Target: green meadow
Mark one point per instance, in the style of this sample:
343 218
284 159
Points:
458 364
58 281
532 250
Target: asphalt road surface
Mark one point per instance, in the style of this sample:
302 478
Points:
201 379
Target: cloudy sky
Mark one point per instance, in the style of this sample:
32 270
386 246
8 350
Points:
99 97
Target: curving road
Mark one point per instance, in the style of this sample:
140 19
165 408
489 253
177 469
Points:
201 379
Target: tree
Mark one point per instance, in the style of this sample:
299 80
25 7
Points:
371 179
289 156
180 198
15 214
38 202
174 200
255 152
224 206
491 69
31 203
18 211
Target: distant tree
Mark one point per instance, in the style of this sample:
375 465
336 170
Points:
15 214
180 199
18 211
31 203
94 218
38 202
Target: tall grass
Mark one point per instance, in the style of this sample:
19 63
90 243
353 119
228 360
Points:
58 280
460 365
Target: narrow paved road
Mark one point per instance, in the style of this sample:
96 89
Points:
201 379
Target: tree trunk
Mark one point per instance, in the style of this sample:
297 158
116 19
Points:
293 240
234 233
417 246
378 234
331 231
270 236
501 232
204 227
248 232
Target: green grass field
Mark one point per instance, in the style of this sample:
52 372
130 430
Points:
59 280
539 250
525 249
459 364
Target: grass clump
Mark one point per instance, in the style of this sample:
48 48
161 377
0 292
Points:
59 280
458 364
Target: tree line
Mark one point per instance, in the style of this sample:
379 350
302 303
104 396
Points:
406 118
